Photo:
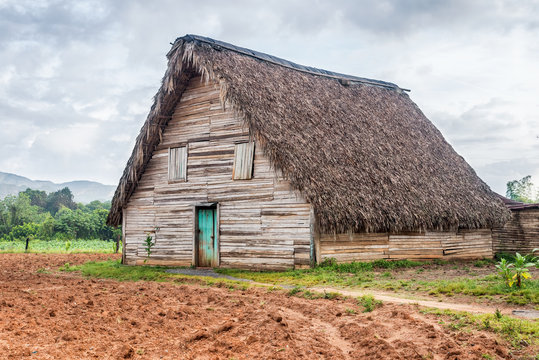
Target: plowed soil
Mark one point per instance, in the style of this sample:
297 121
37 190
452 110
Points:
52 315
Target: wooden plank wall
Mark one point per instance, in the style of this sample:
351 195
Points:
427 245
262 223
520 234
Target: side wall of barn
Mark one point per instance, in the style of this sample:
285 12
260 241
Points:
420 246
262 224
520 234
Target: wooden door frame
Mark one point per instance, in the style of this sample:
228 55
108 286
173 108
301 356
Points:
217 254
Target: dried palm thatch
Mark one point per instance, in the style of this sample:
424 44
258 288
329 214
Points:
360 151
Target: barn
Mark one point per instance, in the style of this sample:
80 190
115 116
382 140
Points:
247 160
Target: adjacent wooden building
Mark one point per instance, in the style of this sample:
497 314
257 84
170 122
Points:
248 160
521 233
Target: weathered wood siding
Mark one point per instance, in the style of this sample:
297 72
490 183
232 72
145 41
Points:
427 245
520 234
263 224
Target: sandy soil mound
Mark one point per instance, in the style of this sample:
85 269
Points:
60 316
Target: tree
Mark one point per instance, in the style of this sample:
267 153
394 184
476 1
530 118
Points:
520 190
20 210
46 229
56 200
37 197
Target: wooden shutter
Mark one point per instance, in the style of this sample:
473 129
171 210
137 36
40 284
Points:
177 163
243 161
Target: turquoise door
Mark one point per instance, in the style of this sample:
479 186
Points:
207 239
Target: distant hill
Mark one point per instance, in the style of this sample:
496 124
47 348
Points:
83 191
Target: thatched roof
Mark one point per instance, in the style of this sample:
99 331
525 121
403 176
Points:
359 150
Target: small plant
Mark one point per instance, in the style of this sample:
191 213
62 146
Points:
505 270
350 311
115 247
517 269
521 268
148 244
369 303
498 314
68 245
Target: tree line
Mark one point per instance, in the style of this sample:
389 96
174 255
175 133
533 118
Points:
36 214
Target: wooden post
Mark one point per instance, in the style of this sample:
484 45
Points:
117 243
27 241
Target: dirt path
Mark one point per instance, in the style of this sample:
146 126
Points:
395 298
389 297
47 315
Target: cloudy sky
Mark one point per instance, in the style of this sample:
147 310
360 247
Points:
77 77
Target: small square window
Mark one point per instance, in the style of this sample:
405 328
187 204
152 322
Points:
243 161
177 163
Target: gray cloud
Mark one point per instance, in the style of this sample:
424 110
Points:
77 78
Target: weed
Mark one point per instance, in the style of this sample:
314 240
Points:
148 244
294 291
369 303
350 311
65 267
310 295
331 295
387 274
67 245
498 314
487 356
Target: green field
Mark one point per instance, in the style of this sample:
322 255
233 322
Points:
59 246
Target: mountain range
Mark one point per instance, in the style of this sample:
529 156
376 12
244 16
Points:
83 190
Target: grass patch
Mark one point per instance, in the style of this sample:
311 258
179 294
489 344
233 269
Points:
518 332
361 266
113 269
59 246
328 273
490 285
380 274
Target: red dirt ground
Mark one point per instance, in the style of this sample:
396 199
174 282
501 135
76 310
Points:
65 316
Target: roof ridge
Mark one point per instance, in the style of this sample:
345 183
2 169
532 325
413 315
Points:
217 44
